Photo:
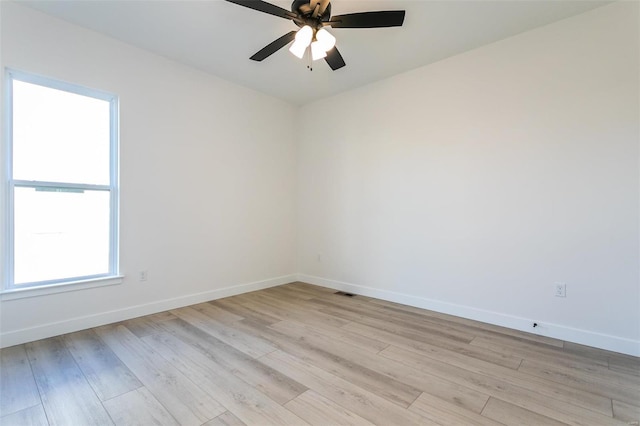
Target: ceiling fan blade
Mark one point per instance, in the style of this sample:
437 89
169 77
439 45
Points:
274 46
387 18
263 6
334 59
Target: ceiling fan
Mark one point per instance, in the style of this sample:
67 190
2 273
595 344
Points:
312 16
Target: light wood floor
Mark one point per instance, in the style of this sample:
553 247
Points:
298 354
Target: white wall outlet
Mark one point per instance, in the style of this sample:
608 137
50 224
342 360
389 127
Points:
561 290
143 275
319 258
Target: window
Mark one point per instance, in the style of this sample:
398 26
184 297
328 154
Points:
62 182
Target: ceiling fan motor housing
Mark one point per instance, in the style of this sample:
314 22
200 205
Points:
304 10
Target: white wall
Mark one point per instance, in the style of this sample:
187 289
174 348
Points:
472 185
207 176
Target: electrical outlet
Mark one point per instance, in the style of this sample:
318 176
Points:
143 275
319 258
561 290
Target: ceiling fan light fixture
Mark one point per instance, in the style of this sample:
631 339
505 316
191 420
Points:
298 49
312 16
302 41
326 39
304 35
317 51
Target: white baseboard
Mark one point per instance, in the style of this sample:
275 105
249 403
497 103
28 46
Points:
569 334
25 335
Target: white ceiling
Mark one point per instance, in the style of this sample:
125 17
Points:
219 37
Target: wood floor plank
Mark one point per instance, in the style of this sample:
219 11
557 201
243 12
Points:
32 416
323 355
558 391
592 353
632 371
315 289
138 408
391 323
217 313
607 387
467 323
585 367
291 293
445 413
18 388
67 397
365 307
262 309
272 383
186 402
106 374
144 326
526 397
529 350
295 311
231 305
625 365
238 397
225 419
250 345
344 334
449 391
320 411
627 412
367 405
301 291
460 348
510 414
396 371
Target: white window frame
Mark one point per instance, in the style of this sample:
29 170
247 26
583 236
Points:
69 283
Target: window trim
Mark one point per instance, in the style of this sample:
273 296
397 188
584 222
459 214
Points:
47 286
42 290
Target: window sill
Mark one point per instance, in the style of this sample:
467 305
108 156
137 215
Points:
21 293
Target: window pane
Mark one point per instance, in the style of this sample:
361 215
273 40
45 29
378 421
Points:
59 136
60 234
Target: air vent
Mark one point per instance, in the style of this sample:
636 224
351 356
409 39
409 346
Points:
343 293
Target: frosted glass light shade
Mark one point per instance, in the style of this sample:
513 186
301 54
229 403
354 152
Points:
303 39
326 39
317 51
298 49
304 35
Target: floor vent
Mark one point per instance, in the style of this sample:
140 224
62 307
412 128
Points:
343 293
